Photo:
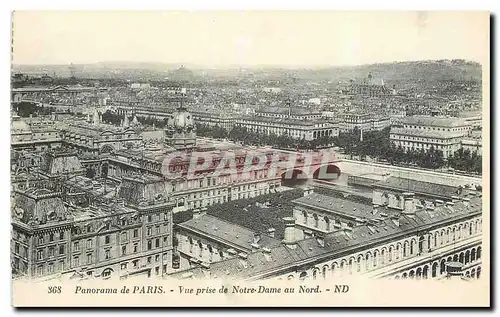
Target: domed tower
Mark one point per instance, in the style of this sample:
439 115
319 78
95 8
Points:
180 131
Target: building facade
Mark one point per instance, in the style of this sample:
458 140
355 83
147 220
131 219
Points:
125 237
424 132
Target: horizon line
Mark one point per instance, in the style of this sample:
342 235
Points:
226 66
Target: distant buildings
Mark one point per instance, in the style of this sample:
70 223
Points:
293 128
98 138
294 113
363 121
370 86
35 136
423 132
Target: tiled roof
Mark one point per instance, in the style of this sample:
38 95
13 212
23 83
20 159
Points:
426 133
232 234
142 189
417 187
336 244
434 121
340 205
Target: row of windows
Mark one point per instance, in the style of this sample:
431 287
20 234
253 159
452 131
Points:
402 250
51 252
51 237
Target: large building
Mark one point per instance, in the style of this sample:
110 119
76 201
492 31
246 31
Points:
363 121
208 239
68 226
60 95
35 136
96 138
294 113
296 129
369 86
413 242
423 132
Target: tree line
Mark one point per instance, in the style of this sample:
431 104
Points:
374 144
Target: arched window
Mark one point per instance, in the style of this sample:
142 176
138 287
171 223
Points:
358 264
323 273
442 237
382 257
391 250
443 267
334 268
375 258
470 228
453 234
351 265
448 236
405 249
367 261
434 269
436 238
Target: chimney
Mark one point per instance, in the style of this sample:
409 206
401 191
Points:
231 252
375 209
289 238
266 250
409 203
270 232
205 265
256 238
454 270
196 213
242 256
321 239
439 203
395 220
466 201
308 234
308 191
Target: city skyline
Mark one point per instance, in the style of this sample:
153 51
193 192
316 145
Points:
255 38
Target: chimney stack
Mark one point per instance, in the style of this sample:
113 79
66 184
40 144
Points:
395 220
289 238
439 203
321 239
409 203
270 232
256 238
308 191
196 213
454 270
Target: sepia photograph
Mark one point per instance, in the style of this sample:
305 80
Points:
250 158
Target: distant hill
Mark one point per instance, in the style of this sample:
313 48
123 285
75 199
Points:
397 71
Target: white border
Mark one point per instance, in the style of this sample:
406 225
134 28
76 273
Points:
7 6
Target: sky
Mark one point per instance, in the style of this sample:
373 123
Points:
246 38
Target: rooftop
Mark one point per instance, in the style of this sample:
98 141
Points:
434 121
262 263
338 205
230 233
418 187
